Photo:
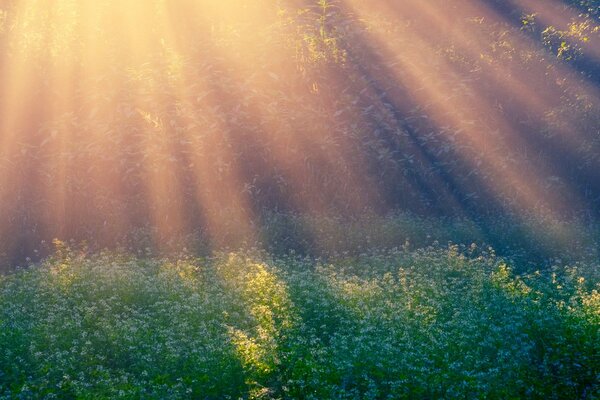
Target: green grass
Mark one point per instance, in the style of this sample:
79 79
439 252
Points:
432 323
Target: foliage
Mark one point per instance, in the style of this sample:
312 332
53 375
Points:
568 44
393 262
529 241
430 323
371 145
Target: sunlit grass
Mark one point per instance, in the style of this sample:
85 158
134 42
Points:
423 324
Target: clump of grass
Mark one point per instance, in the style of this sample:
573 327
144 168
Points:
430 323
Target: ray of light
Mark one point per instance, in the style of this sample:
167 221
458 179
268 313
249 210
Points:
419 71
111 116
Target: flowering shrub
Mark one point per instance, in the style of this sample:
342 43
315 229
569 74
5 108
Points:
431 323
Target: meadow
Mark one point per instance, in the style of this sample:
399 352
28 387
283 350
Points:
299 199
441 321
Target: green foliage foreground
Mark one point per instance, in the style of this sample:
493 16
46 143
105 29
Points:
433 323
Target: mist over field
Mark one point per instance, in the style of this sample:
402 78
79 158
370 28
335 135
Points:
320 199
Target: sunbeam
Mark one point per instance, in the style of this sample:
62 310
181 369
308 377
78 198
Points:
185 117
291 199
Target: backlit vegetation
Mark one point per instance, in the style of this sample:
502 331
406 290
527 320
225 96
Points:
433 323
312 199
173 116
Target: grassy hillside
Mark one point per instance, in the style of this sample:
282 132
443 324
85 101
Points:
431 323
